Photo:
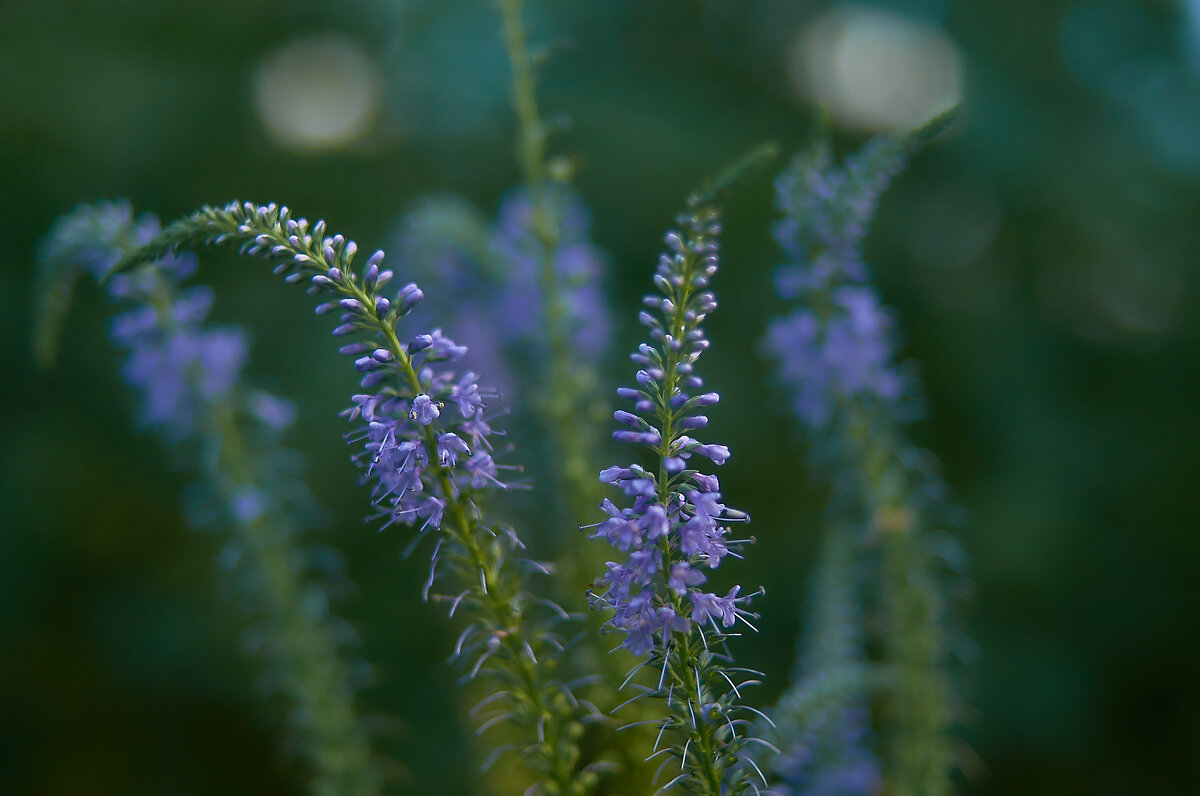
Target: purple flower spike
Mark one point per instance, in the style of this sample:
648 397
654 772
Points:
180 367
675 530
577 263
846 350
679 512
188 376
426 466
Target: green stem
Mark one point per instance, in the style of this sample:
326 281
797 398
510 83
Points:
315 677
566 397
532 149
569 406
496 595
687 657
917 752
546 709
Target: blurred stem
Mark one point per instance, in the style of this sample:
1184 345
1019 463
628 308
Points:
302 645
567 401
315 677
547 710
831 671
532 148
835 635
917 755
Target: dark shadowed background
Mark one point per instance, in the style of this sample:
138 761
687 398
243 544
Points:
1042 259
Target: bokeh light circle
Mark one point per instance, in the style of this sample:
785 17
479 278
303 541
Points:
317 92
877 70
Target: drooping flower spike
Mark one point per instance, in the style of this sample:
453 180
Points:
837 343
675 529
427 451
188 375
837 356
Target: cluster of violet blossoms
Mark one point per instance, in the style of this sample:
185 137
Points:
396 429
189 379
180 367
676 527
420 420
427 449
839 343
577 264
831 756
484 277
836 352
415 412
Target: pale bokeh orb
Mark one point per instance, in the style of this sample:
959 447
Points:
317 93
877 70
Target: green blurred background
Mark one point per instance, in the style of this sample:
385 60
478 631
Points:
1042 259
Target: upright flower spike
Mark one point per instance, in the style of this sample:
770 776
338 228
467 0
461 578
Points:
837 343
577 264
675 530
188 375
482 277
427 448
837 355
